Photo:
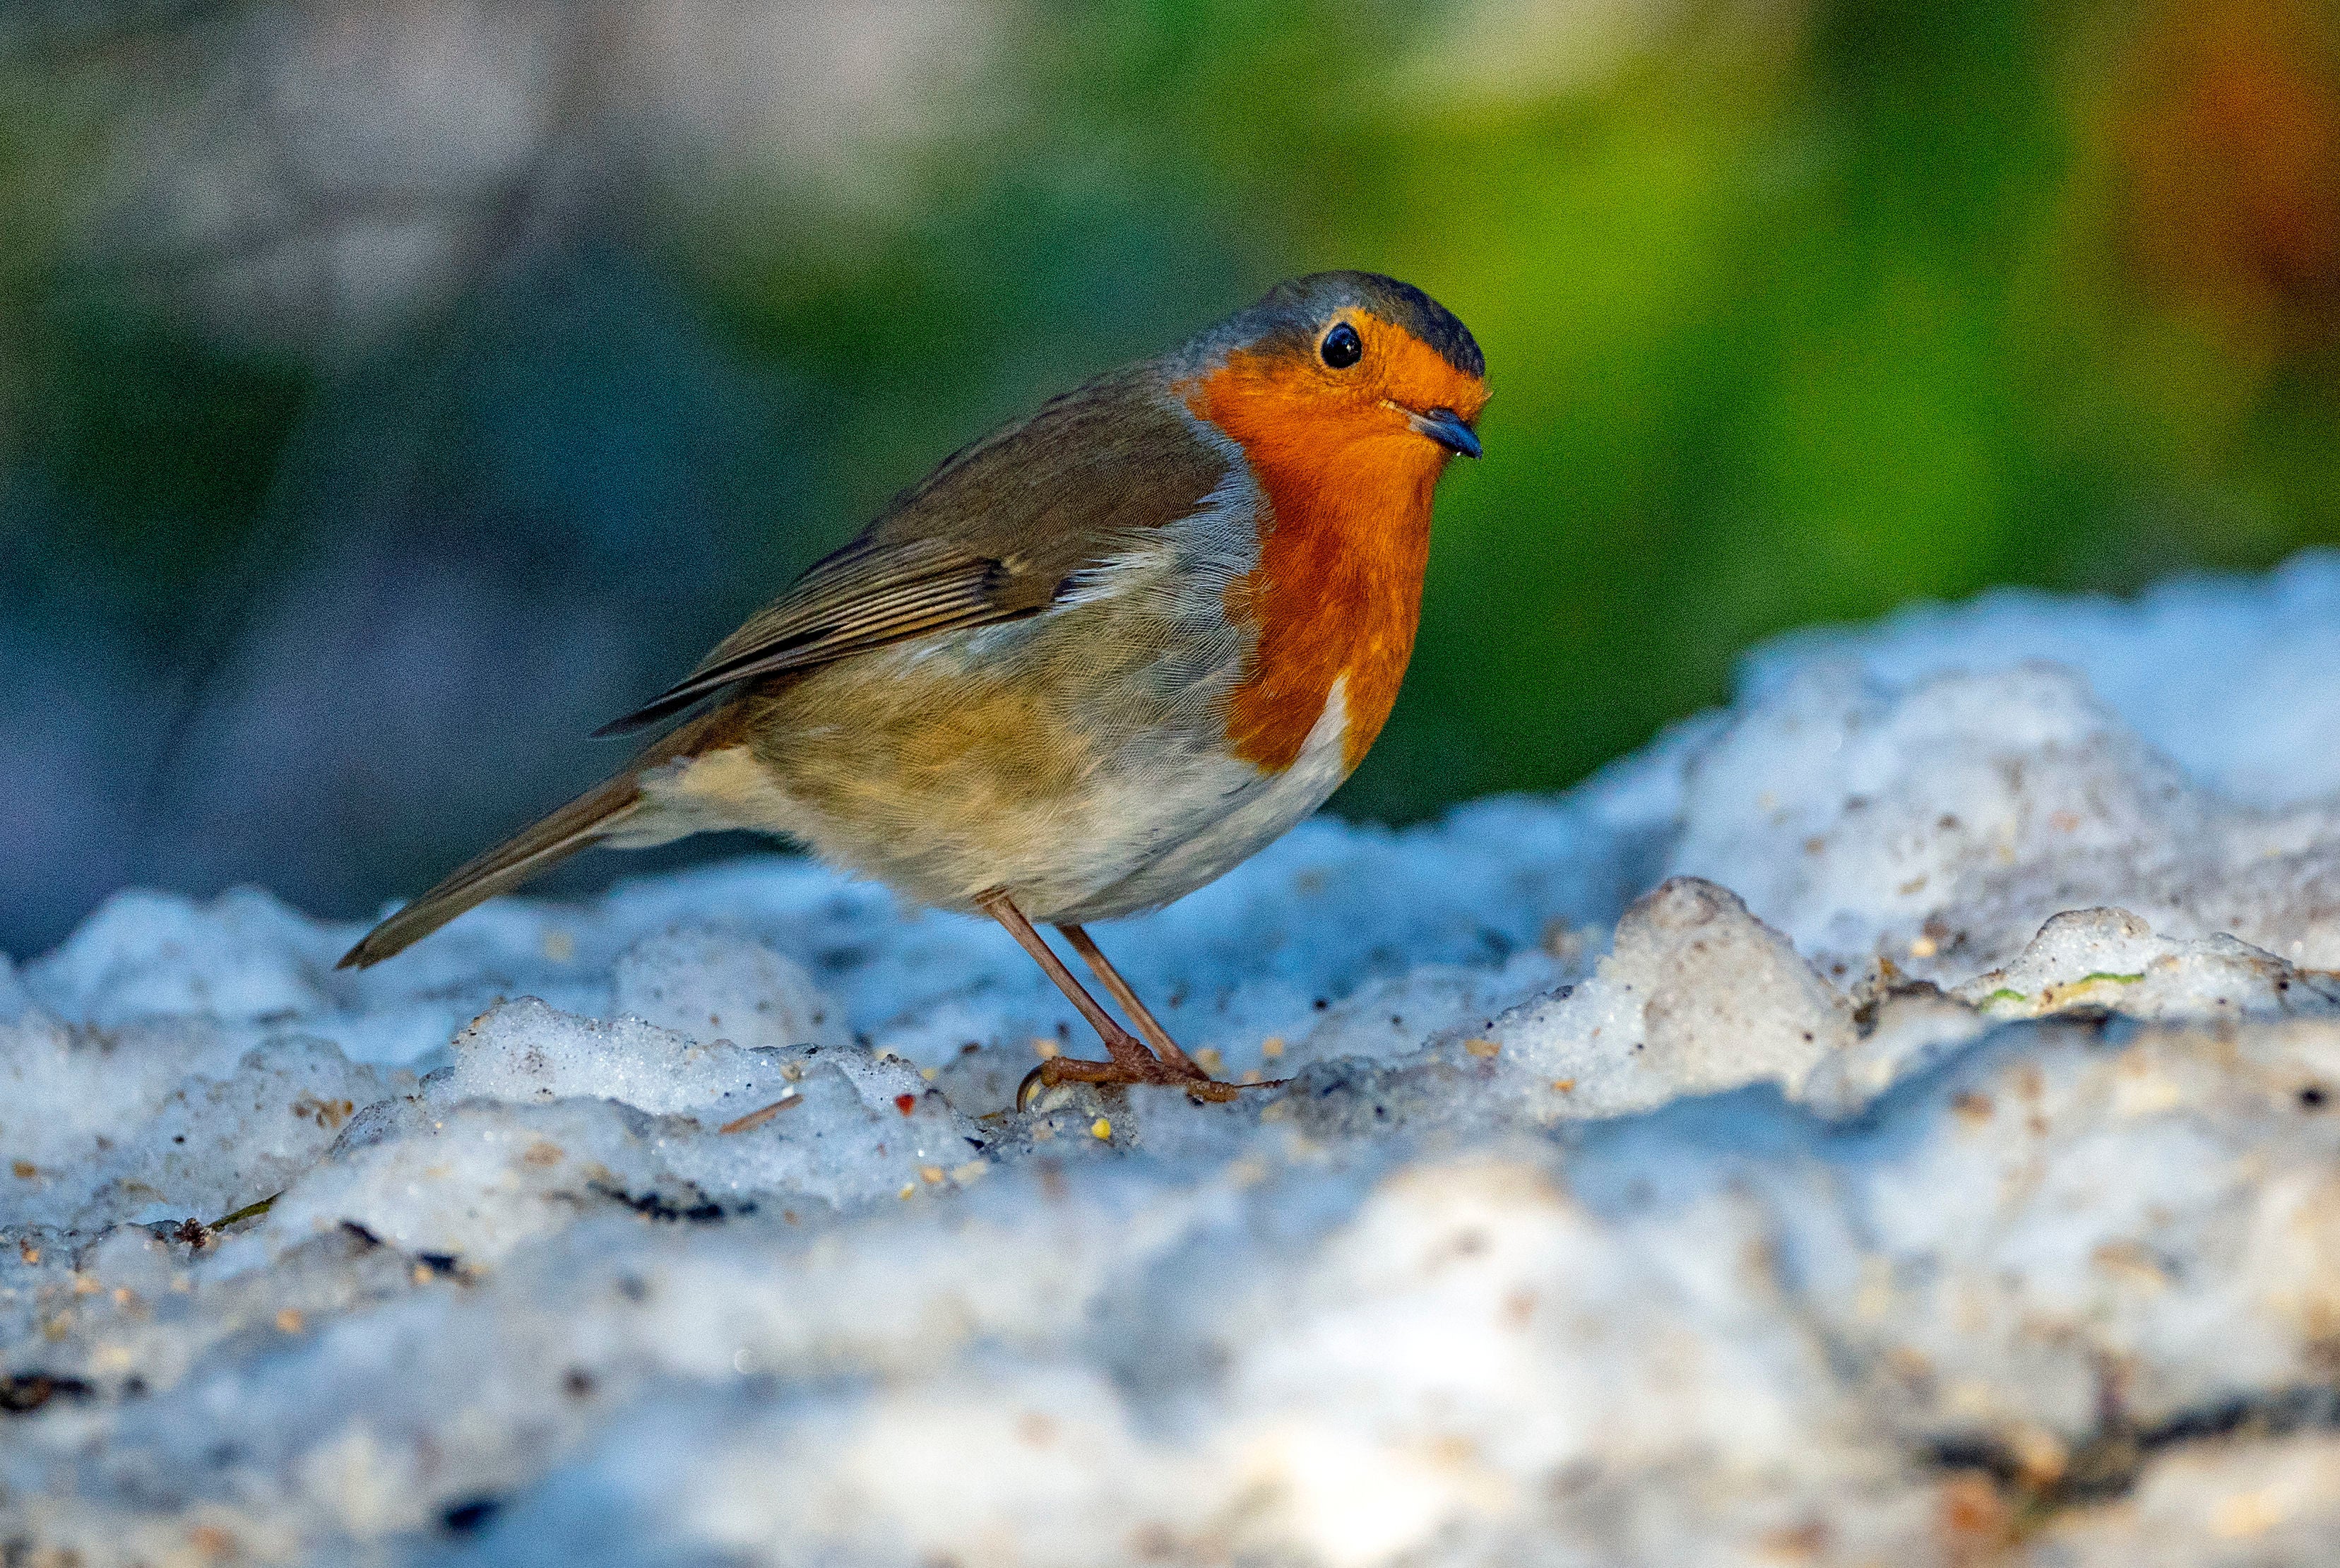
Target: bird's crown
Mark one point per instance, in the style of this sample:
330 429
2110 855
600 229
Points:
1295 314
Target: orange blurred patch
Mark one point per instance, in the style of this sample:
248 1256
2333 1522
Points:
2229 142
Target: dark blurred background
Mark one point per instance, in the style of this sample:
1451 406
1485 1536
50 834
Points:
392 390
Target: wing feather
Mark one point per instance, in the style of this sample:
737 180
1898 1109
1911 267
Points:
846 618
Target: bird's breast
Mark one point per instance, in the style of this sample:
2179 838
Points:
1336 595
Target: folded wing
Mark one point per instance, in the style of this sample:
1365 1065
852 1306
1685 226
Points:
992 535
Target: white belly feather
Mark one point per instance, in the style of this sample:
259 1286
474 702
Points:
1221 814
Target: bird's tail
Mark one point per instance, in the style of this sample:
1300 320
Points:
585 821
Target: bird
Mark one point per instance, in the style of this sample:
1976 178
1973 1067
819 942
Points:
1090 662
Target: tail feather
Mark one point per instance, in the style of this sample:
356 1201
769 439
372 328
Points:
584 822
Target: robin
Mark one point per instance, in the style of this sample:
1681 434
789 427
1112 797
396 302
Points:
1088 664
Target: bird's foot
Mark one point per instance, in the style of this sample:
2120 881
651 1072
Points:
1143 1068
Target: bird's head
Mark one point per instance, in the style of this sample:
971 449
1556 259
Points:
1353 368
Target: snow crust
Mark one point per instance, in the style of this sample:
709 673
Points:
1895 1119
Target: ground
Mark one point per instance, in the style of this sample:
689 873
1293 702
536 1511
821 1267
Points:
1895 1119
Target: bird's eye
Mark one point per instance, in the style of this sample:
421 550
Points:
1341 348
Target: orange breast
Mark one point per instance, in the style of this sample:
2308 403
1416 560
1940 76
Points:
1338 588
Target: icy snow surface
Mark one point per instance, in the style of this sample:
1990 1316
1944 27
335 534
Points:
1896 1120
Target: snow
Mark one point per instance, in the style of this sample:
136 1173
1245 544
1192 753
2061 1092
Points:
2229 713
1894 1119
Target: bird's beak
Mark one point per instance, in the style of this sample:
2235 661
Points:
1445 427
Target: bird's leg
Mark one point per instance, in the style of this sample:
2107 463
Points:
1132 1062
1123 1048
1122 992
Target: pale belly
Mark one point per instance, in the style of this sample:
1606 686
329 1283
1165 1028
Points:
1122 830
1242 812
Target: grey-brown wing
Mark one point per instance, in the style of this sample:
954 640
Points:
992 534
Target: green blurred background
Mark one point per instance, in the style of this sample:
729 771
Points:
391 391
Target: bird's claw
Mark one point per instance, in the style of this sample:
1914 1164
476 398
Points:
1057 1071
